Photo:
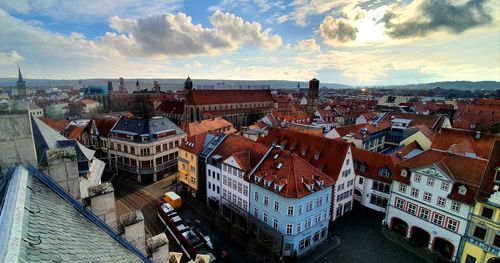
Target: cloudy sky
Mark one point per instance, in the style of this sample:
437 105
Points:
357 42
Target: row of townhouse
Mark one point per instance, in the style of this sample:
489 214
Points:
144 149
286 187
442 198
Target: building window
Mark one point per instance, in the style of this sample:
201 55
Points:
266 201
264 218
299 227
307 223
275 223
402 188
424 214
452 224
256 212
445 186
414 192
276 206
441 201
304 243
479 233
290 211
318 218
438 219
400 203
360 180
289 229
430 181
319 201
255 195
496 241
300 210
470 259
417 178
378 201
487 212
455 206
412 209
427 196
340 187
309 206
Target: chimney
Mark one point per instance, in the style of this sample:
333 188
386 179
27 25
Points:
158 246
102 203
62 167
133 226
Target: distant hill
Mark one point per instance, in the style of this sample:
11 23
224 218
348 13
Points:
458 85
275 84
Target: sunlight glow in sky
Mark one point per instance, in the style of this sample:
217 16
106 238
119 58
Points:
356 42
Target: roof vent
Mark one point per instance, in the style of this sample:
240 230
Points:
462 190
279 165
404 173
276 156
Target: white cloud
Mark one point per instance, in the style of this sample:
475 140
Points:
226 62
195 64
303 9
308 45
10 58
337 30
176 35
88 11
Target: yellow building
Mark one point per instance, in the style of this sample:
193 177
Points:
482 240
188 162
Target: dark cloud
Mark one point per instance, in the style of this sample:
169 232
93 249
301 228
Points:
337 30
436 15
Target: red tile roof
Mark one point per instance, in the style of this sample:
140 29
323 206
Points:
103 125
58 125
479 115
293 174
460 141
398 156
173 107
374 162
489 176
463 170
210 97
194 143
356 129
235 144
210 125
73 132
325 154
431 121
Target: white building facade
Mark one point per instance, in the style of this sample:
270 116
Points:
421 210
343 190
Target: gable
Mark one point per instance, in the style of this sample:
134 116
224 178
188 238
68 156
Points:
434 171
231 161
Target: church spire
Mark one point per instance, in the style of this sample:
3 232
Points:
20 75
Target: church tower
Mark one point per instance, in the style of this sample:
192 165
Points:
21 85
313 96
189 114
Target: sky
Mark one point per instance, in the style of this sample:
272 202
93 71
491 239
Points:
355 42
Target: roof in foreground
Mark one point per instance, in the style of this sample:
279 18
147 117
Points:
41 226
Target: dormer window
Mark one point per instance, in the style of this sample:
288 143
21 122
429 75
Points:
309 187
384 172
257 179
278 187
267 183
404 173
462 190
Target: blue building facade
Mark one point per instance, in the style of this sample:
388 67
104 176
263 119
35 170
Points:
293 197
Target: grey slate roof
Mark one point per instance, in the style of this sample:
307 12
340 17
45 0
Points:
134 126
47 138
66 235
